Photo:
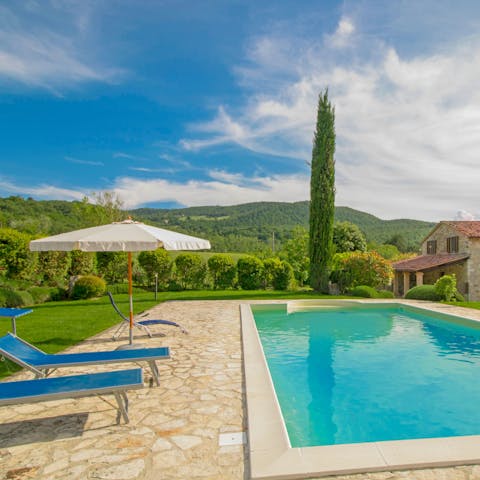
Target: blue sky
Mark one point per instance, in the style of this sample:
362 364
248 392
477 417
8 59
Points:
182 103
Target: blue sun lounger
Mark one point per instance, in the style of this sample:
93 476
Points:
141 324
42 364
76 386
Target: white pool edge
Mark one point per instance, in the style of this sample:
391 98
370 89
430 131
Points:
272 457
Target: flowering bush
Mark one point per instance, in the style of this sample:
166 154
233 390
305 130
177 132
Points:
361 268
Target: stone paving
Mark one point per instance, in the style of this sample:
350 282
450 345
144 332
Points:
174 429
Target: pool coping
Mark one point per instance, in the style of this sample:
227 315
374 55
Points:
272 457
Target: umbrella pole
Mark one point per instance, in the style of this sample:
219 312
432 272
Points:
130 294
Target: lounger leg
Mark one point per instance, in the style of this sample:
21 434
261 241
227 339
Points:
122 401
155 374
119 330
149 333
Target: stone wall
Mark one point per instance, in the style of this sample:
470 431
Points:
474 270
468 272
441 234
459 269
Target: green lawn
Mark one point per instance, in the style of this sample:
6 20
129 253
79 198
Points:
475 305
54 326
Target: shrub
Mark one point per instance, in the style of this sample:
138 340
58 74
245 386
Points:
360 268
88 286
113 266
156 262
58 293
250 272
446 287
15 255
223 270
40 294
3 298
278 273
385 294
363 291
190 270
423 292
15 298
459 297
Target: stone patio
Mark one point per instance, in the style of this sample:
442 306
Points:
175 430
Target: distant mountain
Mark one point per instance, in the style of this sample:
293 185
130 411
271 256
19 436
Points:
246 227
261 219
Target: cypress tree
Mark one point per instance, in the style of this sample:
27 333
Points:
322 195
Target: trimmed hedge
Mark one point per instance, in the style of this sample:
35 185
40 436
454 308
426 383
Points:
385 294
423 292
363 291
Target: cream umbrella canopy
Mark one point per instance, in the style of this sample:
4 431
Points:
127 236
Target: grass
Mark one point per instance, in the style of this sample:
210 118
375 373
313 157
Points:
54 326
475 305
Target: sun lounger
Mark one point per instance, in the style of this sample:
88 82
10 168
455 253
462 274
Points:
42 364
44 389
141 324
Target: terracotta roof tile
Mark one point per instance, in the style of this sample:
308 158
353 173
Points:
467 228
424 262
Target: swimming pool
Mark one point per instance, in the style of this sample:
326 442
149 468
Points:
271 453
368 373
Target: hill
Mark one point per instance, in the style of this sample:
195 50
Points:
246 227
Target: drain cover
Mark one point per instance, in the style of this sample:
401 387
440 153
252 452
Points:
231 438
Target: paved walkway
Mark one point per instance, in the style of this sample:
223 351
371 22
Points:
175 430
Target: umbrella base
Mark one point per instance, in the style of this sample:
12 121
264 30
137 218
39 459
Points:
130 346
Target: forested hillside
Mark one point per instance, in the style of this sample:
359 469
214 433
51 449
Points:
247 227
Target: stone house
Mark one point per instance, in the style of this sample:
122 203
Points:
451 247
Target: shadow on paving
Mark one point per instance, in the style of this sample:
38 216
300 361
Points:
42 429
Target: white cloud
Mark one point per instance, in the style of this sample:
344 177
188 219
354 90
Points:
408 129
343 34
47 54
224 189
463 215
84 162
41 191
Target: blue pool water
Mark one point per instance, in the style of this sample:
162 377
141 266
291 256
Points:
363 374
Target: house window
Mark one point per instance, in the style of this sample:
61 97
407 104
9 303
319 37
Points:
452 244
431 247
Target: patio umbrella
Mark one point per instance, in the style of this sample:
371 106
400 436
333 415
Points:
127 236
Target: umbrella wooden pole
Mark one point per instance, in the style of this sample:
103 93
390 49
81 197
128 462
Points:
130 294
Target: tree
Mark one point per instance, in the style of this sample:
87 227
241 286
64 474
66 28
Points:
322 196
295 252
82 263
390 252
106 208
347 237
399 241
156 262
53 267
